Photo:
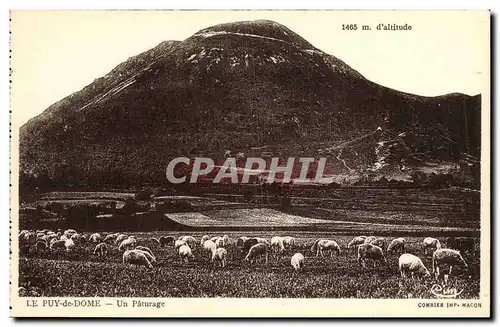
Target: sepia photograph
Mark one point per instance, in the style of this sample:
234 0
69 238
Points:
176 163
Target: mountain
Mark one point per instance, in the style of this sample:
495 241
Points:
251 87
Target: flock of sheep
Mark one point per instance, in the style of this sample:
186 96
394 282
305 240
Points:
256 249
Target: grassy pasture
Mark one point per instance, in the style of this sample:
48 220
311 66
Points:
83 274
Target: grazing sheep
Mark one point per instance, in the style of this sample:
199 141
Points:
50 238
355 242
127 244
220 255
53 240
210 247
277 244
76 238
297 261
110 237
120 238
69 232
63 238
166 240
101 249
58 244
95 238
41 246
369 239
145 249
379 241
178 244
52 234
29 236
408 263
248 244
288 242
148 255
41 239
447 258
372 252
185 253
134 257
69 244
214 238
40 235
191 241
203 239
262 240
321 245
396 245
220 242
257 251
240 241
431 244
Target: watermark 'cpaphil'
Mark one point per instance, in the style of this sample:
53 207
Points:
291 170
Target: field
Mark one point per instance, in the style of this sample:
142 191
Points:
80 273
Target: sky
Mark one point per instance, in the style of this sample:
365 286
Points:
56 53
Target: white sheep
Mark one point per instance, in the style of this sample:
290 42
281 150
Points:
210 247
148 255
396 245
369 239
110 237
320 245
95 238
57 244
120 238
431 244
411 264
297 261
220 242
77 238
144 248
178 244
379 241
41 246
219 255
101 249
203 239
447 258
69 245
185 253
288 242
134 257
50 238
277 244
127 244
262 240
69 232
190 240
355 242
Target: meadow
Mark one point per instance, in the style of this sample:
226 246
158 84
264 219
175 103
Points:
81 273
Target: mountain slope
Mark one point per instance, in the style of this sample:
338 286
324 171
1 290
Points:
243 86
